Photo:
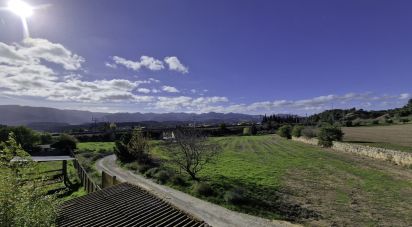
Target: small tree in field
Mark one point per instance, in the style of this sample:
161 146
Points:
65 142
191 151
327 134
138 147
297 130
22 200
131 147
285 131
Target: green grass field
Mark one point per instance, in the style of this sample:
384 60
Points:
53 185
397 137
294 181
88 153
96 146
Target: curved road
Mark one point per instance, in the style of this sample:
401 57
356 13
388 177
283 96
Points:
212 214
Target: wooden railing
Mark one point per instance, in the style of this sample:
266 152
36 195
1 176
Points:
87 182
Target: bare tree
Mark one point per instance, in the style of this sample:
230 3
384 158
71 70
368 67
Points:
191 151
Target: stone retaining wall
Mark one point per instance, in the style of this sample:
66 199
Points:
397 157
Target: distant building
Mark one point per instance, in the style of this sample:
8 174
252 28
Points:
168 135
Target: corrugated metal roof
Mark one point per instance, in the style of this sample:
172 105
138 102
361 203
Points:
122 205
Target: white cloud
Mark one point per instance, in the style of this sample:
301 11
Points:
143 90
405 96
22 73
154 90
145 61
51 52
175 64
170 89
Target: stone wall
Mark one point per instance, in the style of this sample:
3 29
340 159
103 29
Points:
397 157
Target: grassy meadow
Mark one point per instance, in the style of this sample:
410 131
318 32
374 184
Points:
88 153
95 146
289 180
53 185
397 137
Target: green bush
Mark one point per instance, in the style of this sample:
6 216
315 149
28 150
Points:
328 134
285 131
308 132
151 172
253 129
247 131
348 123
143 168
235 196
132 166
388 121
163 176
178 180
297 130
404 120
65 142
203 189
375 122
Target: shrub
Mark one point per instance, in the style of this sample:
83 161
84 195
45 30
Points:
143 168
247 131
253 129
131 147
356 123
348 123
132 166
328 134
162 176
285 131
151 172
235 196
389 121
297 130
308 132
178 180
375 122
203 189
65 142
404 120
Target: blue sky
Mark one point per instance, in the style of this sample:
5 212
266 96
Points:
200 56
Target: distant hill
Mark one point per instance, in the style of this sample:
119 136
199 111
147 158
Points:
40 116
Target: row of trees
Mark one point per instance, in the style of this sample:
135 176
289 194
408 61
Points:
29 139
326 134
343 117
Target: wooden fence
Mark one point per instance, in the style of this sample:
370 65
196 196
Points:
86 180
109 180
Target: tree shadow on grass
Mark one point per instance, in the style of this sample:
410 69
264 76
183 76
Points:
260 200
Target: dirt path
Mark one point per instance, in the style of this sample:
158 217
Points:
213 214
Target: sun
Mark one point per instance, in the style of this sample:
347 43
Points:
20 8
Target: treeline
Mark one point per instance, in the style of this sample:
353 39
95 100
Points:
342 117
29 140
276 120
357 117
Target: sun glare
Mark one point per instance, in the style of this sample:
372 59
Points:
20 8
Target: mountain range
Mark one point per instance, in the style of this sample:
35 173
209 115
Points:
27 115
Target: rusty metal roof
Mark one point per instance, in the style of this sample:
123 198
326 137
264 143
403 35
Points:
122 205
